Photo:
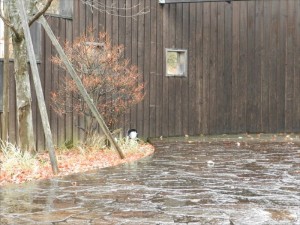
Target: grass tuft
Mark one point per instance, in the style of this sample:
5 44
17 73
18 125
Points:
130 145
14 158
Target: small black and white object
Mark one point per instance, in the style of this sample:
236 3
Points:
132 134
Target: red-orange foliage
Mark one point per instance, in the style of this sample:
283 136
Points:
109 79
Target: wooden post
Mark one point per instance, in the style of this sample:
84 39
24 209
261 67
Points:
5 117
80 86
38 87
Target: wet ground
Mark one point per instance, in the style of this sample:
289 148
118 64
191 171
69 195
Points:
187 181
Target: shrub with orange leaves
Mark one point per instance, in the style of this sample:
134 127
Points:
110 80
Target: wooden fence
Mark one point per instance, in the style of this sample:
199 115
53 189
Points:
243 67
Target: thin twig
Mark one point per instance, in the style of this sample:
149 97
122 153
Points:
114 10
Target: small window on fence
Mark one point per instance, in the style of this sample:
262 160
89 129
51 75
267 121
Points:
62 8
176 62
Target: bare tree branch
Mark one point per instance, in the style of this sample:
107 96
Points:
8 23
115 10
40 13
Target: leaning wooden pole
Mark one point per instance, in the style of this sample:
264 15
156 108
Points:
5 81
38 87
80 86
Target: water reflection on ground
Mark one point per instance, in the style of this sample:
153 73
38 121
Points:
186 181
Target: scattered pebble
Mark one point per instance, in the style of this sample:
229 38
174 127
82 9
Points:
210 163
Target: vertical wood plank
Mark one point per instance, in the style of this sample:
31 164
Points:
253 87
296 123
235 64
171 80
266 67
206 70
1 96
12 124
128 52
281 66
95 21
160 70
140 60
108 19
34 106
258 63
115 33
192 71
69 116
82 30
147 63
76 32
228 69
115 23
89 17
185 82
102 20
178 82
242 76
273 98
165 103
134 57
61 129
122 41
289 76
153 70
199 68
213 68
221 100
122 23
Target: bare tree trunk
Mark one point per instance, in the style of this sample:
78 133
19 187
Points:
5 82
23 94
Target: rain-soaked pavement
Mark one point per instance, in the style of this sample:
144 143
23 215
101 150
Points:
184 182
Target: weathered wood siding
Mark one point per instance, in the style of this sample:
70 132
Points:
243 67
